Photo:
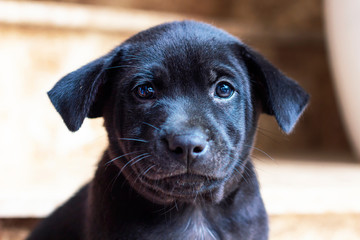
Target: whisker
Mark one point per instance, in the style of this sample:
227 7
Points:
113 67
114 159
122 66
237 170
169 211
145 156
142 174
133 139
131 160
267 131
211 196
111 184
151 125
242 175
271 138
263 153
147 170
176 206
258 149
247 173
196 195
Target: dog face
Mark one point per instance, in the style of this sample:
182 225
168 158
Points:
180 103
181 111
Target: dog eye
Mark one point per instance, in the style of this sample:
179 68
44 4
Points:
224 90
145 91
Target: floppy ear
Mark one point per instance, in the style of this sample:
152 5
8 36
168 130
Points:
79 94
280 96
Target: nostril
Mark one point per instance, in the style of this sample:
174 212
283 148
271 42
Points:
198 149
173 145
178 150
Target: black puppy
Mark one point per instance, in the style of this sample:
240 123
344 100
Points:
180 103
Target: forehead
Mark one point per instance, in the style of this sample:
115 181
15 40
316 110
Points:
182 48
180 32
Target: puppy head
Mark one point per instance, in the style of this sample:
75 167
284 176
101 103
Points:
180 103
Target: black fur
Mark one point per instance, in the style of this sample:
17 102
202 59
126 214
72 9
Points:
177 165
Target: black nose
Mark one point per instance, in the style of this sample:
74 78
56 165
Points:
187 147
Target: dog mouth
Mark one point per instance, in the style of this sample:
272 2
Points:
166 186
182 186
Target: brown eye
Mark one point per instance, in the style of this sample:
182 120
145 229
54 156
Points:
224 90
145 91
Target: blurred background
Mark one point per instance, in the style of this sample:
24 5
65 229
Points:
310 180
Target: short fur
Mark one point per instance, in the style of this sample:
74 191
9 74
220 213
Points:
178 163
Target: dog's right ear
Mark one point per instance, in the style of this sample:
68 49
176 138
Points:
78 94
280 96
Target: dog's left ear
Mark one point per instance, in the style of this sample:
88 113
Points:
81 93
280 96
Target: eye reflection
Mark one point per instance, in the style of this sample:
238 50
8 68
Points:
224 90
145 91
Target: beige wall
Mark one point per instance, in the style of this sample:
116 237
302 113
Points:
35 144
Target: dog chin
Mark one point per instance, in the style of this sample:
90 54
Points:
183 188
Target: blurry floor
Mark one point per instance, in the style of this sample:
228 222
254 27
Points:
16 229
310 184
315 227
